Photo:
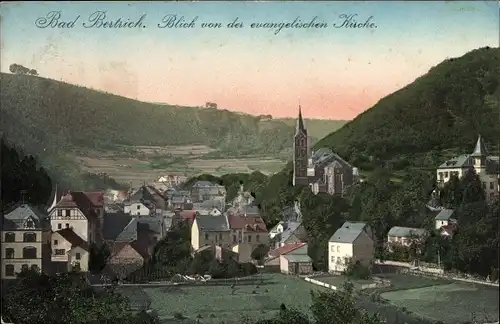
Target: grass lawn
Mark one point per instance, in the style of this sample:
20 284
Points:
452 303
216 303
402 281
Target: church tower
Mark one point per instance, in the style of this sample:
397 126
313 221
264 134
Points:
300 151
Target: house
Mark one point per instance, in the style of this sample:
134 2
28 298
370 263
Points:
114 224
209 205
248 229
448 230
323 170
444 218
272 260
244 198
179 200
296 264
128 257
486 166
206 190
140 203
290 230
352 242
25 240
184 216
69 251
208 229
405 236
81 211
150 229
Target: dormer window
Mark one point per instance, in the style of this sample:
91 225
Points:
59 212
30 224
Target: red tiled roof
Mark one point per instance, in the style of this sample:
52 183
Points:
95 197
254 224
287 248
450 228
69 235
139 247
188 214
80 200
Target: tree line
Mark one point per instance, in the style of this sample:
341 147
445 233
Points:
19 69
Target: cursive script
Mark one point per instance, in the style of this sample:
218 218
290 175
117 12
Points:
350 21
99 19
53 19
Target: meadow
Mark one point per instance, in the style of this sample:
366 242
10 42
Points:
136 164
212 304
442 300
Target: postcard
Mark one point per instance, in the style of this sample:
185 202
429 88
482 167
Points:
215 161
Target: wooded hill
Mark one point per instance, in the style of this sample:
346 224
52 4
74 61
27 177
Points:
445 109
42 114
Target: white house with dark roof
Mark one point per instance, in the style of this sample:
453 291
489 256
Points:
25 240
290 229
444 218
405 236
485 165
352 242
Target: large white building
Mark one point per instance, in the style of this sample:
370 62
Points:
486 167
352 242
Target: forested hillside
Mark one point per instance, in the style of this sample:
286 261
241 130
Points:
444 109
42 114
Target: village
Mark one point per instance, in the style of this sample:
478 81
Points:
131 223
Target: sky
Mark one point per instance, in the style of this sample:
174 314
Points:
333 72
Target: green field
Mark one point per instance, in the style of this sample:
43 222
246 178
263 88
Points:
442 300
216 303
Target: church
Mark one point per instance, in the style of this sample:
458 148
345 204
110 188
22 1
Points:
323 170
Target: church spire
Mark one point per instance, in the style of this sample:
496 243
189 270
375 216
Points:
480 149
54 203
300 122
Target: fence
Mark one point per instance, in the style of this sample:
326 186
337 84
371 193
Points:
320 283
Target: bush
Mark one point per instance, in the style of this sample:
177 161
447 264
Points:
357 271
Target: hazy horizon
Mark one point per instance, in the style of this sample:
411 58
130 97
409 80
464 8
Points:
334 73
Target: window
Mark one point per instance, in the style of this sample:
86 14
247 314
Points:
332 259
67 225
249 238
234 238
29 237
332 248
10 237
76 267
484 185
25 267
338 248
220 236
138 213
9 253
30 224
9 270
206 236
492 185
440 175
56 242
446 174
138 207
59 212
59 252
78 256
492 195
29 252
59 226
257 238
34 267
68 212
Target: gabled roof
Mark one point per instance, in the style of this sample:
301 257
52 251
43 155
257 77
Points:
188 214
142 194
114 223
349 232
95 197
249 223
208 223
406 231
80 200
288 229
69 235
17 215
444 214
285 249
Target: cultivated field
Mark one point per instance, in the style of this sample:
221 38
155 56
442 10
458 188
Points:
442 300
147 163
216 303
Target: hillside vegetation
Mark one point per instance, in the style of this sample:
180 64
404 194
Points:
444 109
43 114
